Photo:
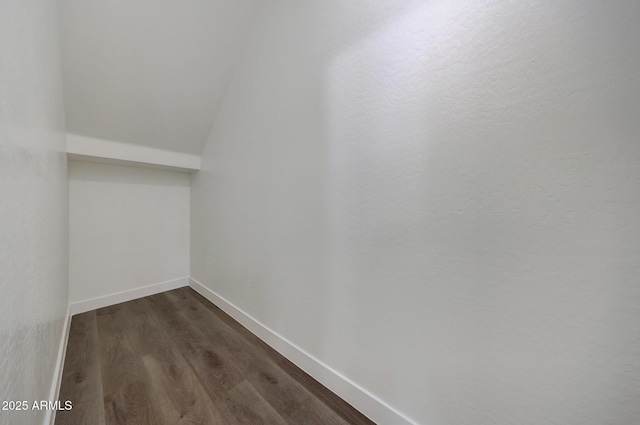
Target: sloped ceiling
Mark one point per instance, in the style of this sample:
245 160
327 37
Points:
149 72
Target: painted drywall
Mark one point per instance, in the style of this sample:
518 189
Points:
128 228
439 200
33 205
149 72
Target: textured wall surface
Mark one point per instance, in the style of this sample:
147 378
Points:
128 228
33 204
440 200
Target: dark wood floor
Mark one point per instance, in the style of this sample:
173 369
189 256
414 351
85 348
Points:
175 358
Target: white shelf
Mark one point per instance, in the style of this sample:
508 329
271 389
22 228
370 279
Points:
82 148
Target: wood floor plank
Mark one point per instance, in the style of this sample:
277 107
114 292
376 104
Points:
129 398
216 372
245 391
203 356
287 396
81 378
338 405
179 392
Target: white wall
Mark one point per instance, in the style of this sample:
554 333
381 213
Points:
33 204
128 228
440 200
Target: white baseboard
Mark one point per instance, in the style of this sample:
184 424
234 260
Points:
50 416
370 405
132 294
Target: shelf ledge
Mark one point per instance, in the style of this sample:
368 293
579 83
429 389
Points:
83 148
